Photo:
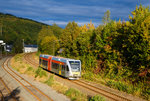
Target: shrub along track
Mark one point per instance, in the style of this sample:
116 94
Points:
91 88
38 94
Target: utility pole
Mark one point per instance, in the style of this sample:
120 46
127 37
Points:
23 45
1 52
1 42
5 49
54 46
1 29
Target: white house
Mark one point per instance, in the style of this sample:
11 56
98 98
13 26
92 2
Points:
30 48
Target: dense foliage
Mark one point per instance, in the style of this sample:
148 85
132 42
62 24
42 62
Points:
48 39
14 29
114 50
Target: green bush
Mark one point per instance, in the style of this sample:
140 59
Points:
29 69
50 80
38 53
97 98
40 72
118 85
88 76
18 57
74 94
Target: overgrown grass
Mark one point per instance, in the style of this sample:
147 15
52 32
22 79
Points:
18 57
40 72
89 76
137 89
30 70
50 80
38 53
97 98
75 94
59 87
140 89
118 85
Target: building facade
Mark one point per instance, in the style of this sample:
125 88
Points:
30 48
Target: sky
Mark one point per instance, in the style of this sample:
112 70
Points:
63 11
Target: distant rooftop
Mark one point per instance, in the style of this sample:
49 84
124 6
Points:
34 46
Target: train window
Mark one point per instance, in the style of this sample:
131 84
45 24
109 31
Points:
45 63
55 65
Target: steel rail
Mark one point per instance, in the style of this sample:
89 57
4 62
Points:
88 86
1 96
30 84
20 83
8 90
98 90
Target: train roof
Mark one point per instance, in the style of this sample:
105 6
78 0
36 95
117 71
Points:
45 56
57 58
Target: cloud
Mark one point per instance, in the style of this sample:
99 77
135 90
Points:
50 22
64 23
46 7
63 11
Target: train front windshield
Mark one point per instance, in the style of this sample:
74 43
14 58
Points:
75 66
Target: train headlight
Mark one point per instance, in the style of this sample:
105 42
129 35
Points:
76 73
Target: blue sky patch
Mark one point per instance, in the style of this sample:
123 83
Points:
63 11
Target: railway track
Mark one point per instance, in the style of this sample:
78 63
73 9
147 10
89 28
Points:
38 94
5 92
101 91
28 59
98 90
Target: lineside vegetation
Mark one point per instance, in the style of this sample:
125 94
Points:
45 77
116 53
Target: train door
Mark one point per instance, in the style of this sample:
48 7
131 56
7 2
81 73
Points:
41 62
63 70
49 64
60 68
66 71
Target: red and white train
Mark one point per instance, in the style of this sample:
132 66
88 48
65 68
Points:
69 68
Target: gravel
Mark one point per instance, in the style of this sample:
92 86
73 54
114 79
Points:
24 95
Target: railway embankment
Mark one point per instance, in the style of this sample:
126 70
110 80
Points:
18 82
109 93
15 88
37 74
118 95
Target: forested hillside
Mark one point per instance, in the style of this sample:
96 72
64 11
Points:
116 53
13 29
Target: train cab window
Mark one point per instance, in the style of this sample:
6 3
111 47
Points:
75 66
67 68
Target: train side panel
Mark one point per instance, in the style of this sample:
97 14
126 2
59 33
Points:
43 62
62 66
49 63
